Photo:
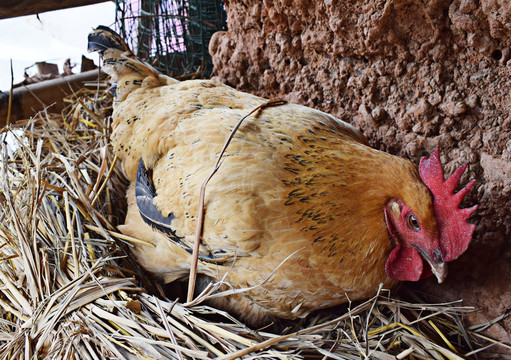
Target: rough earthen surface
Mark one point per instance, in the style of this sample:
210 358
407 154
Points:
412 75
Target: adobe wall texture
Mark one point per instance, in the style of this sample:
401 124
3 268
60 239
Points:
412 75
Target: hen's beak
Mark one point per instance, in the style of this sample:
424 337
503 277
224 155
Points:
438 266
439 270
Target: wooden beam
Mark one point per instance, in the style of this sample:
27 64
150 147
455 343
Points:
30 99
13 8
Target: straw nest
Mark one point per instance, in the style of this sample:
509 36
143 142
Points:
69 289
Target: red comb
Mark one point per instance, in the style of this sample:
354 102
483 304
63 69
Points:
455 232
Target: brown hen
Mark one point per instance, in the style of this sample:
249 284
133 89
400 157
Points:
302 213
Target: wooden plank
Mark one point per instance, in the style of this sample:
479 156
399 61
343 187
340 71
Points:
30 99
13 8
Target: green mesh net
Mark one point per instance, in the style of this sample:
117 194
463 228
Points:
172 35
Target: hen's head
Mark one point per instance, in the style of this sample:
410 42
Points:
437 233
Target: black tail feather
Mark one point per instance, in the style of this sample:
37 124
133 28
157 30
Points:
103 38
144 194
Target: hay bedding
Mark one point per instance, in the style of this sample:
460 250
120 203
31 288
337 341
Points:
70 290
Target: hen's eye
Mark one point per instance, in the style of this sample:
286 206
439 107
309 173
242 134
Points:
413 223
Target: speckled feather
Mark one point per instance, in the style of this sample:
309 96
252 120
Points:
299 192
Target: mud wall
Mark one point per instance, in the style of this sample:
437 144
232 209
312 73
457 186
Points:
412 75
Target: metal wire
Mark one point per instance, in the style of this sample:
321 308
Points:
173 35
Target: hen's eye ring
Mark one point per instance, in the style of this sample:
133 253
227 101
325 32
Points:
413 222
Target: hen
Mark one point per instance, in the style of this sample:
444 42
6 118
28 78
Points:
302 214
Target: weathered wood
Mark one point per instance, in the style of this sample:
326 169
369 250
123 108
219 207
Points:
30 99
13 8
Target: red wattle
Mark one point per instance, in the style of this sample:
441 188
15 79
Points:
404 264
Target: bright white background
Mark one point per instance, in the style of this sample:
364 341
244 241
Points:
54 37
